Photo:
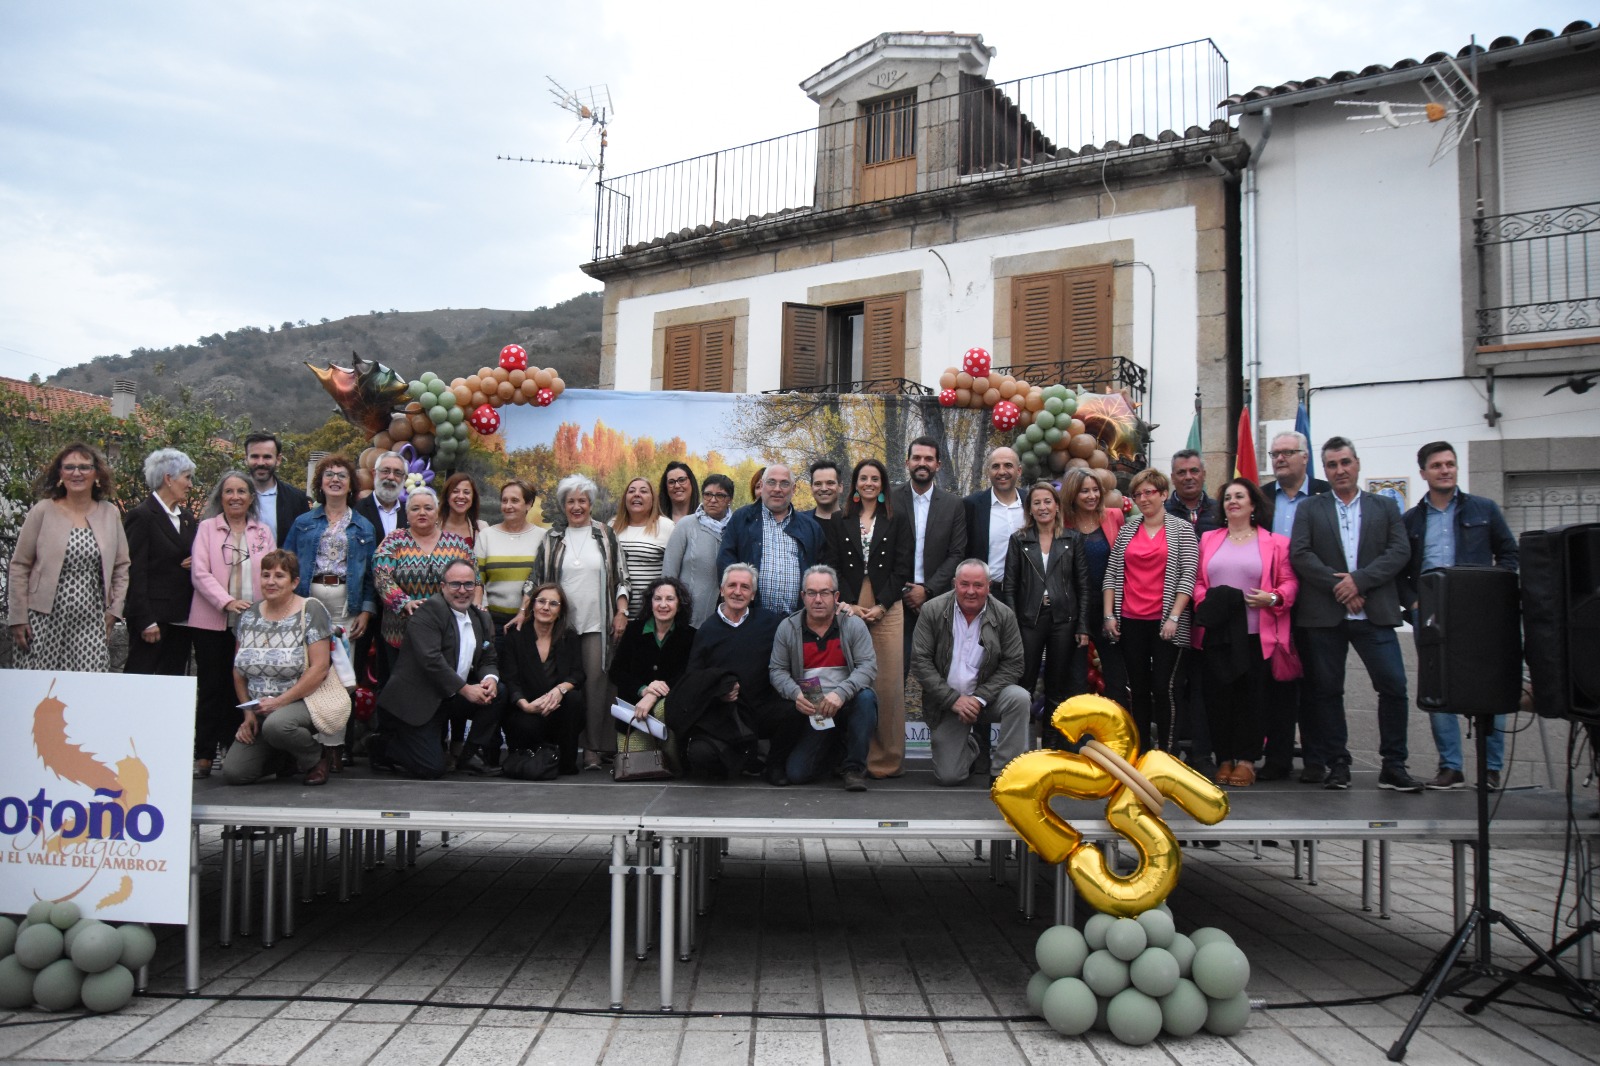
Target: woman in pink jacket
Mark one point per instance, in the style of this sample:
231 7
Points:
228 546
1247 557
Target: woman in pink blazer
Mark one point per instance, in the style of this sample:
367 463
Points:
1240 630
228 545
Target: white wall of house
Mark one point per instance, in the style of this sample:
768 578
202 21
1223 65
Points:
1361 248
958 308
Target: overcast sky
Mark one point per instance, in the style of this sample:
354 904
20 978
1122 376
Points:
174 169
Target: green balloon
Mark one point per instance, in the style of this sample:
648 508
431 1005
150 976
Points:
1052 436
1221 970
1154 972
428 399
1225 1017
1158 927
8 934
58 986
109 990
1069 407
1207 935
1105 973
1052 405
1094 930
1183 950
415 389
65 915
1022 443
97 948
38 946
1060 952
456 415
1125 939
1134 1018
1069 1006
138 945
1042 450
437 413
40 911
1184 1009
1036 986
16 984
1045 419
430 378
1034 433
71 936
447 399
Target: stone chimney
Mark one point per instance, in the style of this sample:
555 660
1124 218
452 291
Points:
311 468
124 394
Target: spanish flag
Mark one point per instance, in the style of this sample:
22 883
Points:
1244 462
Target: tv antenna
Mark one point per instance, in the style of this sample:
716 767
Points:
592 106
1452 100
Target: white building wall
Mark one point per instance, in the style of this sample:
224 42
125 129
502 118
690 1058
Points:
1361 278
958 309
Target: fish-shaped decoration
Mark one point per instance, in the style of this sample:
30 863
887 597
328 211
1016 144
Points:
366 392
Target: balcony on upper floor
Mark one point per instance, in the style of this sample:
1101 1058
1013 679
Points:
1541 276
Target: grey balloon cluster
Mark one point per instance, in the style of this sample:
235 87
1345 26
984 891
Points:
57 959
1137 978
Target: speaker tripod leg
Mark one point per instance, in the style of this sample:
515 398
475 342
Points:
1437 973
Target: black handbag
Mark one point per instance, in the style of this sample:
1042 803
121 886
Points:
540 765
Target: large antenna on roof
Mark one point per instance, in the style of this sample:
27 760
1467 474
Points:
1452 99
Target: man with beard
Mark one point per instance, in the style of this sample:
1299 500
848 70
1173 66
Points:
941 532
383 508
280 502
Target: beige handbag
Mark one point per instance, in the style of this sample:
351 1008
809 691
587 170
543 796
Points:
329 703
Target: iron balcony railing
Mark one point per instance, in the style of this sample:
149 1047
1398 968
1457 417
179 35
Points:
1541 271
982 131
1094 375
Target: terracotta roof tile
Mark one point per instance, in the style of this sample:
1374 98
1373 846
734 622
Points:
44 400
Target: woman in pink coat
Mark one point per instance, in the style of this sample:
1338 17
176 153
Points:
228 546
1250 560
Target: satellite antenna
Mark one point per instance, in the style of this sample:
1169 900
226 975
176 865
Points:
1452 100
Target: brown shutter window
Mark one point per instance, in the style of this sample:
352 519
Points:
884 337
1062 316
803 363
698 357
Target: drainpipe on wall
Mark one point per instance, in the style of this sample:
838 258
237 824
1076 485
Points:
1252 286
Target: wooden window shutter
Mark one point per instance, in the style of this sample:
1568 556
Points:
716 357
698 357
679 359
803 356
1087 298
884 337
1036 318
1061 316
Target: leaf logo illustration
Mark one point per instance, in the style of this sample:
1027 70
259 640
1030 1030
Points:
124 890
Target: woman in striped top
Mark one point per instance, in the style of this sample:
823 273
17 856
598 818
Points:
1149 583
505 552
411 561
642 534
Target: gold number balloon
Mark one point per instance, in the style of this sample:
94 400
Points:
1109 766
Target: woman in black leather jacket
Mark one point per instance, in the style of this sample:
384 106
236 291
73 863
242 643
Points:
1047 585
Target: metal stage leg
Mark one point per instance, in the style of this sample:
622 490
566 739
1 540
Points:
977 850
191 931
1294 845
1065 896
383 847
707 859
1026 869
1255 846
414 838
641 887
288 882
400 839
669 884
997 861
225 938
344 865
358 857
247 870
322 861
141 978
269 892
308 867
1458 881
687 861
1311 862
619 914
1366 875
1383 879
444 840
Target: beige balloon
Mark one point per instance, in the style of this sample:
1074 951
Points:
1081 446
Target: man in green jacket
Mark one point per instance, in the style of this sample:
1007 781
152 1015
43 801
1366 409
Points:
967 656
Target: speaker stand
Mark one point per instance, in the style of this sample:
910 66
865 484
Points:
1438 979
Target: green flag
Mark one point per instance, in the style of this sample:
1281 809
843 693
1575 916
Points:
1194 432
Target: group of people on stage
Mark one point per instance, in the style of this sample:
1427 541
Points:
761 624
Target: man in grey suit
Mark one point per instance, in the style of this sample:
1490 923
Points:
1348 548
939 524
446 664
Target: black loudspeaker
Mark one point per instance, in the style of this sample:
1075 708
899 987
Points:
1561 620
1469 641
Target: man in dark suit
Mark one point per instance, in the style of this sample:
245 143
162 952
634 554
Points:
446 665
1348 549
1291 455
994 513
387 513
940 526
160 534
280 502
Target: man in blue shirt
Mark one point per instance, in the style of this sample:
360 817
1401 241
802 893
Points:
1449 528
779 541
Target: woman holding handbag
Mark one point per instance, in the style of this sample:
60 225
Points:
281 674
1241 631
543 677
651 658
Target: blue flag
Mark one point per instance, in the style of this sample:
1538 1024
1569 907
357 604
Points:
1302 425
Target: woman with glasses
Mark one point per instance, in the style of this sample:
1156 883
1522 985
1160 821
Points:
642 534
69 570
1149 582
229 544
678 492
334 546
542 673
692 549
871 546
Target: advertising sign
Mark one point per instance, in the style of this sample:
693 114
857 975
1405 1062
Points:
95 782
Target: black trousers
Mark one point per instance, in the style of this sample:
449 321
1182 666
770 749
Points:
1155 681
168 656
1051 643
216 712
416 749
1235 707
560 727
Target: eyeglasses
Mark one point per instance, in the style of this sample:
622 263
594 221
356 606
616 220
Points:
77 468
1284 453
233 556
337 475
547 603
715 494
677 481
460 586
1145 493
778 484
818 594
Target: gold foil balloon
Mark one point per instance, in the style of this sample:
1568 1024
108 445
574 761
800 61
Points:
1111 767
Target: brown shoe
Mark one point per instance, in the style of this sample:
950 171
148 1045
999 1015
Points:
333 754
1244 775
318 774
1225 773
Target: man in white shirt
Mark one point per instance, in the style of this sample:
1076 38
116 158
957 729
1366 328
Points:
993 514
383 507
280 503
940 526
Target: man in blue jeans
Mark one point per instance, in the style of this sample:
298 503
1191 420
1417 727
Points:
823 662
1449 528
1349 548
